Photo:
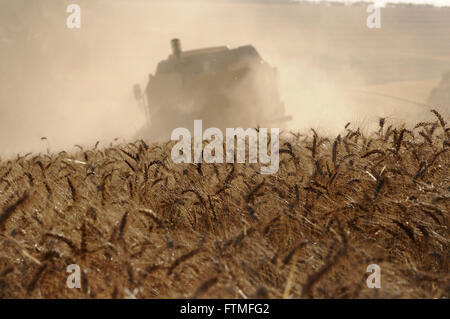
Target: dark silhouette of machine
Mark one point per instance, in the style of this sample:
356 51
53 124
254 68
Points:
222 87
440 96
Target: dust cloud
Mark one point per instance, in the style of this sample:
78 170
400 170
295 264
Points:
74 86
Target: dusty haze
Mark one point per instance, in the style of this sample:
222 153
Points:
75 86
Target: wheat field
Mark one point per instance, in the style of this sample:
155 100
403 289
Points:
140 226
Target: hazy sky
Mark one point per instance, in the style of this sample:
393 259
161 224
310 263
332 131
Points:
75 86
382 2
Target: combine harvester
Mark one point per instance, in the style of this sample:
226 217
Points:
222 87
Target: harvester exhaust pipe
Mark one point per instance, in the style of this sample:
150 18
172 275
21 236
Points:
176 48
